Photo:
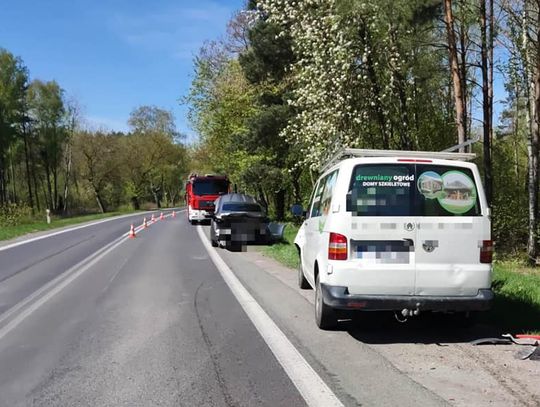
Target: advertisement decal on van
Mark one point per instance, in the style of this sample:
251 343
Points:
388 190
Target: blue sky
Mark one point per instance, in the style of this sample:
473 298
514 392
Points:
114 55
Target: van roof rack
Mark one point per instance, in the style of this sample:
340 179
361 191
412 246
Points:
360 152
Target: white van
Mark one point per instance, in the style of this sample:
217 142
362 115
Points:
396 231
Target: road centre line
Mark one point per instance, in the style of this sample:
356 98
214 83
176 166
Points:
33 239
310 385
58 280
39 297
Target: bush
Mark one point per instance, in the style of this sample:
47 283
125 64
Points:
13 215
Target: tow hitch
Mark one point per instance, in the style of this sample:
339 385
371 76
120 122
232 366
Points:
405 314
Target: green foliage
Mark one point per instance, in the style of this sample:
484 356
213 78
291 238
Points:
285 252
269 53
517 299
11 215
510 214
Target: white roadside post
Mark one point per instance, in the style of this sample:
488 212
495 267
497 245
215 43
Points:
48 216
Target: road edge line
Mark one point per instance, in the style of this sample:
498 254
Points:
310 385
86 225
39 297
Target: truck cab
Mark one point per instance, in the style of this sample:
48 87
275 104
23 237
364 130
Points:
201 192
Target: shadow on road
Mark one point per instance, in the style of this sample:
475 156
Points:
383 328
508 315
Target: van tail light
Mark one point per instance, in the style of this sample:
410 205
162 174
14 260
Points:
486 251
337 247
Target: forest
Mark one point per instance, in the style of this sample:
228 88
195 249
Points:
51 159
292 82
287 85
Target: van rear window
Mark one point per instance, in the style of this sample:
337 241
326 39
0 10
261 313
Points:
412 190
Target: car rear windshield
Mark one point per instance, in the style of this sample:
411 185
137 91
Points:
412 190
241 207
210 187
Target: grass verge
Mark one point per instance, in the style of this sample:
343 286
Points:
517 298
517 289
10 232
284 251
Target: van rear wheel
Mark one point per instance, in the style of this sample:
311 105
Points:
325 316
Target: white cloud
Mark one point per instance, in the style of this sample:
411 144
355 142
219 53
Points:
177 31
105 124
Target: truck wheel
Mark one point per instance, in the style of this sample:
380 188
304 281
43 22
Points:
325 316
302 282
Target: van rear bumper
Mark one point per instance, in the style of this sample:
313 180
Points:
338 297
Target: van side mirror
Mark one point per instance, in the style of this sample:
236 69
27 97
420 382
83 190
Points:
297 210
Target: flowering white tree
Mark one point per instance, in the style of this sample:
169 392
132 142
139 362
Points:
354 75
324 74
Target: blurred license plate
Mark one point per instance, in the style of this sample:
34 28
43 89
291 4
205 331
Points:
382 251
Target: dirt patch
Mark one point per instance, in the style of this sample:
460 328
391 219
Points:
436 352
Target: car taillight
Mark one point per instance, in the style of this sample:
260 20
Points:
486 251
337 247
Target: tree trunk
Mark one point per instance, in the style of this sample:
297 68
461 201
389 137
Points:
135 203
36 190
297 193
463 79
279 202
67 175
100 203
376 90
50 202
532 73
2 182
487 98
262 198
55 188
14 197
156 199
455 73
99 200
27 166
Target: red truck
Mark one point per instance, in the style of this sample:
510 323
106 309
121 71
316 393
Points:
201 192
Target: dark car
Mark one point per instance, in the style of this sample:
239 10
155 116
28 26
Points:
238 219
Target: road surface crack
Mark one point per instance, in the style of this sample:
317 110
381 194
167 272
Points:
509 384
2 279
213 356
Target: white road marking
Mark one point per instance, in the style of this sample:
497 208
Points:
39 297
87 225
310 385
33 239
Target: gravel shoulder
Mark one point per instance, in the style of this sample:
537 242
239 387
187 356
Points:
434 352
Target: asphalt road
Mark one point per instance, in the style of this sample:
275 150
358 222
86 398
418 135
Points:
88 318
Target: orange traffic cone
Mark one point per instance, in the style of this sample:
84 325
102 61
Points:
173 214
132 232
161 216
145 224
153 218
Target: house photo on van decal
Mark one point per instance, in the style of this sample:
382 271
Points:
412 190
